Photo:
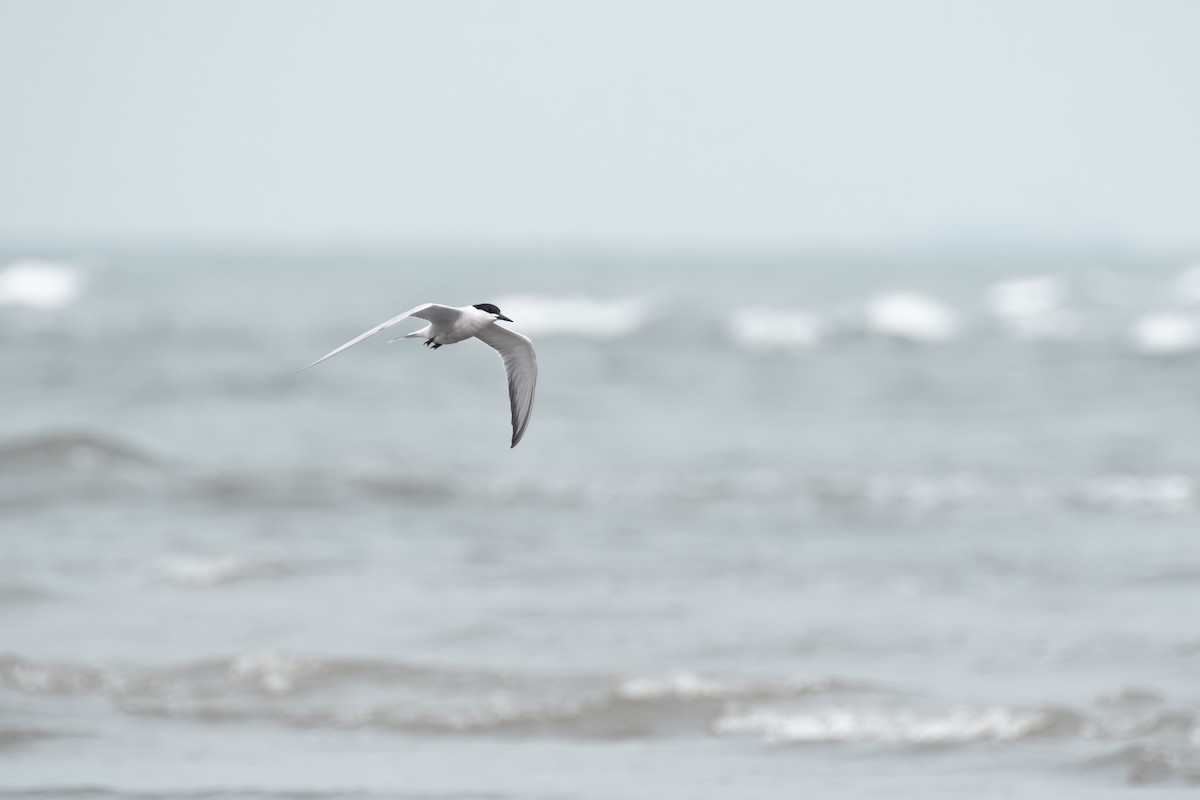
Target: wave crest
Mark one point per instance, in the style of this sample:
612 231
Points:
1167 333
910 317
954 726
39 285
73 452
196 571
576 315
766 330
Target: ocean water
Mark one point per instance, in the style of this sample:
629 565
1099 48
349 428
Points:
821 525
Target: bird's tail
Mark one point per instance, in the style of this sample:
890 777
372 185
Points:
421 334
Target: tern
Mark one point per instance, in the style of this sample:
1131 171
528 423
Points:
448 325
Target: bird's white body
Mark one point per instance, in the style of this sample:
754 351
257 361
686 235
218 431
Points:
448 325
448 330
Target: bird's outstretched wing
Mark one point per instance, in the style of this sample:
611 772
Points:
521 365
428 311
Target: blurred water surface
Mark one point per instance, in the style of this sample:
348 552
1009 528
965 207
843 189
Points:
872 526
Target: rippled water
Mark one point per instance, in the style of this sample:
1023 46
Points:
855 526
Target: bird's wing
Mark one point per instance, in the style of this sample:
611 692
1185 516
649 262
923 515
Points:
428 311
521 365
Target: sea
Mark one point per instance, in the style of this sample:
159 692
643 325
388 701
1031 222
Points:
819 524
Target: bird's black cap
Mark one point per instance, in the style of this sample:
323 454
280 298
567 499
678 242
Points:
492 309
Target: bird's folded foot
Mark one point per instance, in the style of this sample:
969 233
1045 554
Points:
430 343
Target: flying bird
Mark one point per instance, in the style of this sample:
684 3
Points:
448 325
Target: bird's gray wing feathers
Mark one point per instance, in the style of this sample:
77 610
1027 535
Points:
427 311
521 365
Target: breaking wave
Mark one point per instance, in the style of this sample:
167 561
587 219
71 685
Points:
1019 298
273 673
295 691
765 330
198 571
1032 309
841 491
910 317
954 726
42 285
1166 333
686 686
577 315
298 692
58 466
1155 493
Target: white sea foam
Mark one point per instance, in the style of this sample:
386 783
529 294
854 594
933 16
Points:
765 329
902 492
1031 308
272 671
912 494
576 315
1161 493
47 679
866 725
1025 297
1165 333
39 284
910 317
197 571
692 686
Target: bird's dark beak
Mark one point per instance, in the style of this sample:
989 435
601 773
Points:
501 316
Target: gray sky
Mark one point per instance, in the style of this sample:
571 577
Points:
733 124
